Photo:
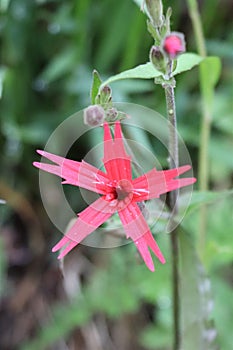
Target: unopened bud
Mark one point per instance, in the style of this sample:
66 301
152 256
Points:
105 94
155 11
94 115
111 114
106 90
174 44
157 58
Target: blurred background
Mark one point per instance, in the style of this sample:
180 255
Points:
106 299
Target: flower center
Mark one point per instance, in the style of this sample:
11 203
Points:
123 189
119 194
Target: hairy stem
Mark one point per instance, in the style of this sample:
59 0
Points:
203 166
174 162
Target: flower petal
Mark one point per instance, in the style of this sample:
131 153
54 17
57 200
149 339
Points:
68 248
116 161
88 220
137 229
154 183
142 245
75 173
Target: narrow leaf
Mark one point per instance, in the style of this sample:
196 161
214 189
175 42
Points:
4 4
96 82
141 5
199 198
210 72
2 78
60 65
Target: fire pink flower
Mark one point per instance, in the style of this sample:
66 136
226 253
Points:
119 193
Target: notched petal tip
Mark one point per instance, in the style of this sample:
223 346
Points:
40 152
117 130
145 254
162 259
148 261
107 132
194 180
36 164
148 241
60 244
151 267
67 249
182 169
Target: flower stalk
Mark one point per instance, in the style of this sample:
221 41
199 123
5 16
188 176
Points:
174 159
170 44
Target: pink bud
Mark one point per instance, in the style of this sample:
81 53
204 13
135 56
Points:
94 115
174 44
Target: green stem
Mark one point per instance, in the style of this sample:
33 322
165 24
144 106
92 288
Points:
173 139
197 26
174 162
203 166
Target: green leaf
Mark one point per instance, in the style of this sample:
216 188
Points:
210 70
152 30
96 82
198 331
156 337
65 318
4 4
219 249
2 78
200 198
147 71
62 64
139 2
144 71
114 34
222 111
186 62
223 308
220 152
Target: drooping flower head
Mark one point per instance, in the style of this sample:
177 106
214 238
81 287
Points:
119 193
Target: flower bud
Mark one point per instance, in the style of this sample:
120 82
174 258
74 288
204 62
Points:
155 11
94 115
105 95
111 114
106 90
157 59
174 44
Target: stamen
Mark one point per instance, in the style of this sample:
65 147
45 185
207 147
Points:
139 191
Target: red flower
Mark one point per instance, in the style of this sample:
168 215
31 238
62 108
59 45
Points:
174 44
119 193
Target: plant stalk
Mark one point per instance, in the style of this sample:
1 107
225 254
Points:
203 164
174 162
197 26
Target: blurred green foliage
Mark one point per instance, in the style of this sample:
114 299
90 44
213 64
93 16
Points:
48 52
